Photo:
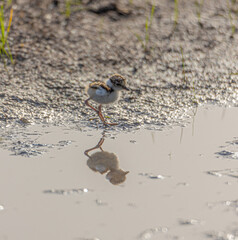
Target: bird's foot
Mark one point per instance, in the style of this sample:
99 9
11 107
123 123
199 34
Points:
110 124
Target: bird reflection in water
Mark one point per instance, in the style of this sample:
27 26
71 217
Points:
106 162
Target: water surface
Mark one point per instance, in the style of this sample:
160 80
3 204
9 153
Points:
174 184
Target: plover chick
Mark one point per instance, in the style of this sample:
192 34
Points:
105 93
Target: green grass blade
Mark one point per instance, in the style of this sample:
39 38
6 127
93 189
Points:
4 35
140 40
68 8
152 13
146 24
2 24
146 31
10 54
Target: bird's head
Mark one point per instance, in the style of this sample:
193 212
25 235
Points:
117 82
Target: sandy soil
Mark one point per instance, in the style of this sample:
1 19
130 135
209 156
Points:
56 56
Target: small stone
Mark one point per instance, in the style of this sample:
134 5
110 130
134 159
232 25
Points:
24 120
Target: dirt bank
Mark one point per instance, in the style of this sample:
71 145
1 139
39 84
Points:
56 56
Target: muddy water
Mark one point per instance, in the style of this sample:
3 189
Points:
174 184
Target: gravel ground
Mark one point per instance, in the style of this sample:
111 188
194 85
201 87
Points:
56 56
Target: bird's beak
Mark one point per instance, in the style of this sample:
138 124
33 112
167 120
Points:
126 88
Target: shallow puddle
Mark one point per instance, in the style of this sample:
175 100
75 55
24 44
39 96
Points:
173 184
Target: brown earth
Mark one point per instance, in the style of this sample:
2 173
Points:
56 56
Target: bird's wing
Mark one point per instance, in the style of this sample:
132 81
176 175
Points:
101 88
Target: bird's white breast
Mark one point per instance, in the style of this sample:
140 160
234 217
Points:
103 96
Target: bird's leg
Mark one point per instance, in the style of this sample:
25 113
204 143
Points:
102 118
87 103
100 114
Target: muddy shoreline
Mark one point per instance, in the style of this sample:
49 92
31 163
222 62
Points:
56 56
175 184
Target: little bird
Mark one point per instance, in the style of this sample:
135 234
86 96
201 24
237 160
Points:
105 93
